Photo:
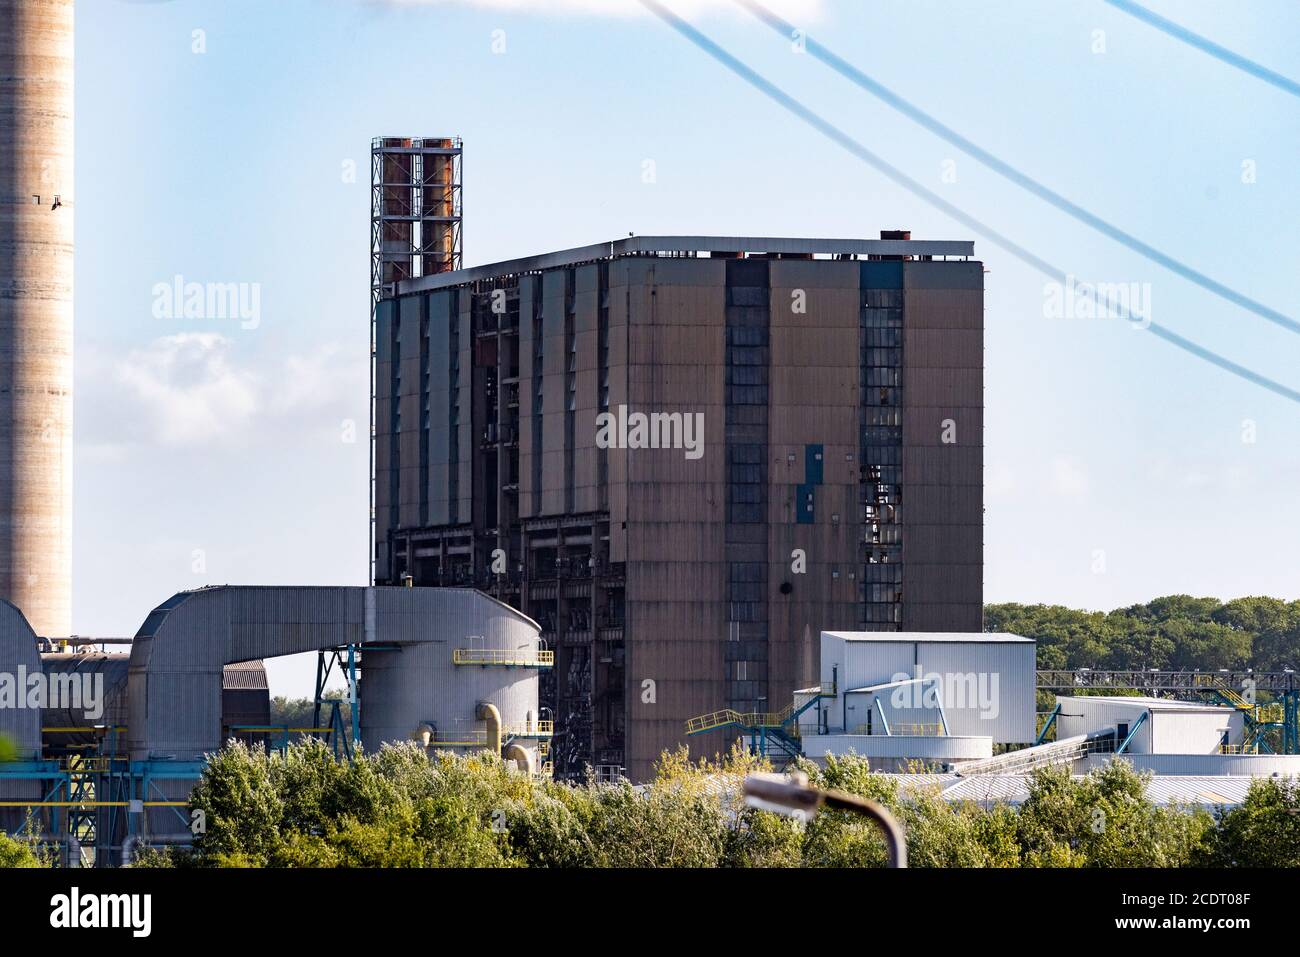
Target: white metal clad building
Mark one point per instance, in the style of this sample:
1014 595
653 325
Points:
1170 727
987 680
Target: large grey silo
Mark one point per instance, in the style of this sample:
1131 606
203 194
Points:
36 192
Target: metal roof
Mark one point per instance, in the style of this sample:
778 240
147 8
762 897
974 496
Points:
887 684
1227 790
244 676
1151 704
984 637
655 245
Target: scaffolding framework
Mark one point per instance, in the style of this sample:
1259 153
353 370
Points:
415 230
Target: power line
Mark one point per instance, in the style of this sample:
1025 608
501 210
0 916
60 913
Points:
853 146
1205 45
1006 170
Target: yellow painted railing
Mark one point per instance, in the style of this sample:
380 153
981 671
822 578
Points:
538 729
1271 713
516 657
460 739
1262 712
720 719
928 730
87 764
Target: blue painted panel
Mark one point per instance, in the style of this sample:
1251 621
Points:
882 274
804 504
813 459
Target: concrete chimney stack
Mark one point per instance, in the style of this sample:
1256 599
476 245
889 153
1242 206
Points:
36 207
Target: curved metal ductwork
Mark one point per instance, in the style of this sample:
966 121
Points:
19 659
489 715
519 754
179 653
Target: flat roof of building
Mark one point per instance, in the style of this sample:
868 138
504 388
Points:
912 637
1220 790
1151 704
695 245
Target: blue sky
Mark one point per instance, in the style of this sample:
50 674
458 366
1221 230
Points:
1116 469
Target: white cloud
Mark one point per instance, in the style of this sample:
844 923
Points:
795 10
326 379
193 389
1068 479
189 388
999 481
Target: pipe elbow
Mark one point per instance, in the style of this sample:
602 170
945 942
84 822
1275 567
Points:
489 714
519 754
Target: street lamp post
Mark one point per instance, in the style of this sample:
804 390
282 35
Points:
790 794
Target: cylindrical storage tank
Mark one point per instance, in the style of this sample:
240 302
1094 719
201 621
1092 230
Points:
419 684
36 47
438 656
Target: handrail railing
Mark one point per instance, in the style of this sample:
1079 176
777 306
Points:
515 657
536 729
727 716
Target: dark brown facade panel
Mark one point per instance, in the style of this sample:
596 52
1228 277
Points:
808 347
942 544
944 426
943 465
677 343
813 312
800 425
944 348
813 274
671 388
676 581
671 465
826 386
923 616
688 504
679 273
965 276
943 309
946 583
952 504
676 541
937 387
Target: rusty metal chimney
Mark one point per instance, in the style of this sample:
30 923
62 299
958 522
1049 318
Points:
36 206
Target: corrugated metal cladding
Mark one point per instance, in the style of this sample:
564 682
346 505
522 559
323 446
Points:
875 365
420 684
177 673
887 748
1170 727
1195 732
244 676
988 680
1085 714
109 672
1175 765
18 655
943 447
1207 791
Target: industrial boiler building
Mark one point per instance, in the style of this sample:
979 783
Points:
810 458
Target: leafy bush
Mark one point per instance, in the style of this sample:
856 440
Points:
399 808
1264 831
15 852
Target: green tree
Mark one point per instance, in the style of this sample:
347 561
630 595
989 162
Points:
1263 831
